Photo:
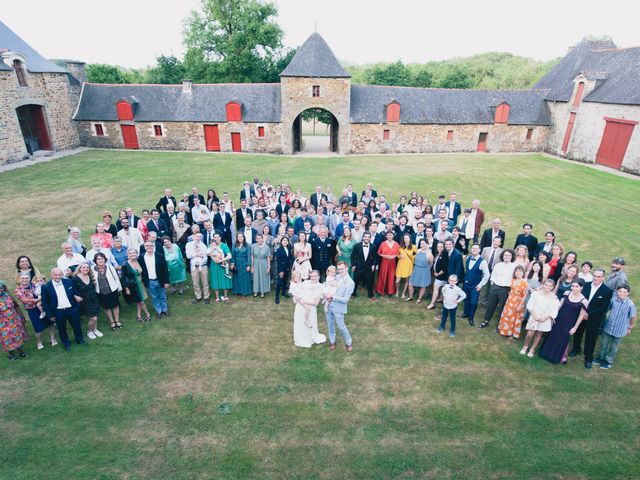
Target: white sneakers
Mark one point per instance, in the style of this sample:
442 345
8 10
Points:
91 335
523 351
97 333
40 346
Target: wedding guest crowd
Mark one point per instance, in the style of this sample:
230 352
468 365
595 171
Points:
410 250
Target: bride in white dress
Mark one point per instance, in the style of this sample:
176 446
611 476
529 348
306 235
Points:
307 296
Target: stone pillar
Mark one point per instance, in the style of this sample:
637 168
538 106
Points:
77 70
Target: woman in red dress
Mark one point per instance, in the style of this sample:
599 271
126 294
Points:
388 252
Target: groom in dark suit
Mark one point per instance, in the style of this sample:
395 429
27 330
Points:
60 304
363 264
599 297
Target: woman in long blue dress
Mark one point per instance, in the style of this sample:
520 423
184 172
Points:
573 309
219 276
421 274
240 261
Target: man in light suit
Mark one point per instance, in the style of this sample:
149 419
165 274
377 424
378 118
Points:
338 308
599 298
492 256
60 304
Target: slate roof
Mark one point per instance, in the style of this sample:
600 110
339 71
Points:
35 62
447 106
315 59
616 71
168 103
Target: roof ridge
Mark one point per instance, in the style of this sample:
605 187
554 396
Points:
514 90
175 84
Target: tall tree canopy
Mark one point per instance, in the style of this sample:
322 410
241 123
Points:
233 41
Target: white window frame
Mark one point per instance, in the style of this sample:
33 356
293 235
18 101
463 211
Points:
105 133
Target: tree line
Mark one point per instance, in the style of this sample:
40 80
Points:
240 41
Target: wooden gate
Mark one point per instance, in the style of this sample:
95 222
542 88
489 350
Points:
236 144
212 138
615 141
130 137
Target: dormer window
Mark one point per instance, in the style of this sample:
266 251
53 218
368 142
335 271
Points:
234 112
315 91
124 110
502 113
393 112
18 66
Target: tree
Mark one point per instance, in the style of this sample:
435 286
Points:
101 73
392 74
232 40
455 76
168 69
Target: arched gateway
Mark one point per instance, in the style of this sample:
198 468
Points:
314 79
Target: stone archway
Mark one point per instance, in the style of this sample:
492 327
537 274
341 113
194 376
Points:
315 130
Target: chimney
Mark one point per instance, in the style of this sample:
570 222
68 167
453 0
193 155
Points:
77 70
186 86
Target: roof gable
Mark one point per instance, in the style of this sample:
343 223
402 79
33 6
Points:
315 59
35 62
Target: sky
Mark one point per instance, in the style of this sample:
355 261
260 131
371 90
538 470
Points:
132 33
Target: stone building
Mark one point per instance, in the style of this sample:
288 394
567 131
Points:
37 101
586 109
594 102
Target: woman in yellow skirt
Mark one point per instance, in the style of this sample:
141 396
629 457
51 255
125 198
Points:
404 266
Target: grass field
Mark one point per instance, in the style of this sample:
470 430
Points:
220 391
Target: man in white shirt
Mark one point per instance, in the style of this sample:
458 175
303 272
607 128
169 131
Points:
131 237
69 261
59 301
198 255
97 247
155 276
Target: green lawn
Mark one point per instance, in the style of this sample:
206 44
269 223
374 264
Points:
220 391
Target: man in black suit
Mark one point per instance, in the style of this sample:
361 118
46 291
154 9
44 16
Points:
455 265
352 195
599 298
454 209
284 261
207 233
242 213
528 240
490 233
549 240
419 234
322 251
402 228
194 194
368 193
363 264
156 224
283 206
155 276
222 224
168 218
247 191
60 304
133 220
317 196
165 200
248 232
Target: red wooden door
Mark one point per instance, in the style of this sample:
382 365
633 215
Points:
482 142
567 133
130 137
236 144
42 129
615 140
212 138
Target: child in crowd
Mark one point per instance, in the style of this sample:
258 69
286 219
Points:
452 295
38 282
585 271
619 323
330 286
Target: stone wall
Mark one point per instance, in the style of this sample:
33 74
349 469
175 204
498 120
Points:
588 129
369 138
188 136
52 91
335 96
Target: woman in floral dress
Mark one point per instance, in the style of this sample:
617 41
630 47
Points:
513 311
